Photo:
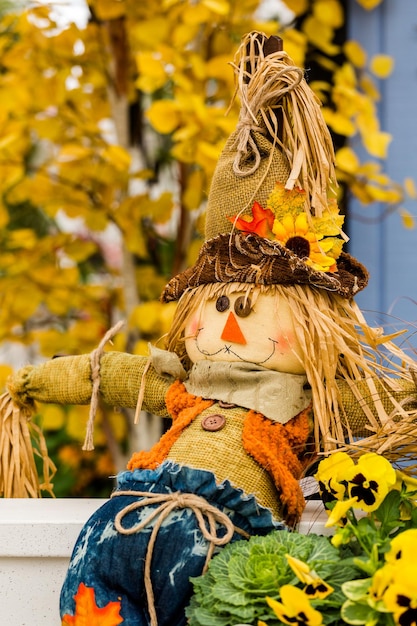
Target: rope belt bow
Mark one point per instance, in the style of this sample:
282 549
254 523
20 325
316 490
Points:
204 512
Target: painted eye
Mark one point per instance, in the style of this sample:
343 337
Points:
222 303
243 306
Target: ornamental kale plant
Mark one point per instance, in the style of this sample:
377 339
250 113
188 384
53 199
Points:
365 574
244 574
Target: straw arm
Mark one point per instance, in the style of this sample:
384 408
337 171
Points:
68 380
359 403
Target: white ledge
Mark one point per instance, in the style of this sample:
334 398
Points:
42 528
36 542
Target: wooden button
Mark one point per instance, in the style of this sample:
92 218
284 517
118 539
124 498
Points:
226 405
213 422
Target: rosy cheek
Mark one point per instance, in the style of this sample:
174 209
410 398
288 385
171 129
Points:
192 327
285 341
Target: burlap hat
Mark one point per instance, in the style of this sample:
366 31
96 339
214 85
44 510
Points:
272 216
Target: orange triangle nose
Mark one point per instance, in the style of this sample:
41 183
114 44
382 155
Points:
231 331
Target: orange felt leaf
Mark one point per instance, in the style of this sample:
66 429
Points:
261 222
232 332
87 613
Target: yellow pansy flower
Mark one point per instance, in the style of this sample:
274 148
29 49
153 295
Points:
295 608
370 480
330 475
315 587
401 596
381 581
338 513
403 547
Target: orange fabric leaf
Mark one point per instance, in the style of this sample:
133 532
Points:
183 407
87 613
261 222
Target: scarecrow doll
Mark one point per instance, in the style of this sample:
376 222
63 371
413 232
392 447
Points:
269 363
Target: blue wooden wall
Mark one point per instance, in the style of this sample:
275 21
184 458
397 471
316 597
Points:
388 249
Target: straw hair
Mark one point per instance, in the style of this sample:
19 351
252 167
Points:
20 441
341 356
281 136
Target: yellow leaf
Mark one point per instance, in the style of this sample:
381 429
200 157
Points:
320 35
53 417
118 157
369 87
297 6
329 12
161 208
338 122
108 9
377 143
80 250
366 119
184 152
146 317
218 67
295 45
193 251
118 424
220 7
150 283
135 241
50 342
407 219
11 174
369 4
22 238
347 160
198 65
59 301
198 13
193 192
345 75
86 333
73 152
410 188
141 347
391 196
5 372
164 116
382 65
355 53
95 220
148 34
166 316
25 302
369 169
208 154
152 75
76 424
184 34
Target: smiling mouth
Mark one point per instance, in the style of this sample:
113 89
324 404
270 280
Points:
227 349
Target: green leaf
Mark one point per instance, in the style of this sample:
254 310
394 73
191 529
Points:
357 613
388 512
356 589
234 588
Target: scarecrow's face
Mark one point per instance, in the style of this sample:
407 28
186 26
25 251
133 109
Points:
237 327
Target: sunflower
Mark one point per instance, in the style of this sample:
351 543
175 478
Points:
293 232
316 240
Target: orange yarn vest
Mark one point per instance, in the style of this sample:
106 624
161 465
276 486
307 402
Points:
282 449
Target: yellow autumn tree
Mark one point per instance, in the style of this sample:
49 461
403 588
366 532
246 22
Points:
109 135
